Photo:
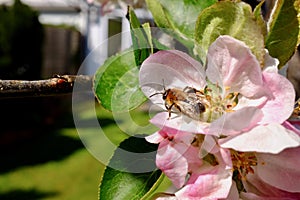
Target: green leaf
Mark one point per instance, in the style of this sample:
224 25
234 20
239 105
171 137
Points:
147 30
141 37
158 13
133 20
259 18
182 15
121 180
179 16
228 18
159 46
283 31
297 7
116 83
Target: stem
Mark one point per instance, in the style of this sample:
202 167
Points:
49 87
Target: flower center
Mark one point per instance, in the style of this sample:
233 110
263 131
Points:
216 105
243 162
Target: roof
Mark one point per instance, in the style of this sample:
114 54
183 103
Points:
50 5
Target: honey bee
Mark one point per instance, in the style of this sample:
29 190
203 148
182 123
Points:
188 101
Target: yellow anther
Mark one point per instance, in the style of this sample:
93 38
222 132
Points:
227 88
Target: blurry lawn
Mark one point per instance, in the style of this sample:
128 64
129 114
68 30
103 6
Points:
57 166
74 177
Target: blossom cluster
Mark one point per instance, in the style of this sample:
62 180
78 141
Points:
225 132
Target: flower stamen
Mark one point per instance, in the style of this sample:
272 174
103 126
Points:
243 163
218 105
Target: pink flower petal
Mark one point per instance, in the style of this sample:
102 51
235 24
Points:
257 189
178 122
233 194
209 145
154 138
235 122
176 155
214 184
280 103
272 138
173 164
281 170
252 196
250 102
231 64
170 69
166 198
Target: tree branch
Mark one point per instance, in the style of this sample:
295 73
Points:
49 87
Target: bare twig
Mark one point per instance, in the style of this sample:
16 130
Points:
49 87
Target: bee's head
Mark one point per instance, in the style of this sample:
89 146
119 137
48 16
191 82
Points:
165 94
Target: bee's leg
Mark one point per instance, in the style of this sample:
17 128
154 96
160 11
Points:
168 109
176 106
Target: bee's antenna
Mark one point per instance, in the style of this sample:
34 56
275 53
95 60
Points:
155 94
159 92
164 84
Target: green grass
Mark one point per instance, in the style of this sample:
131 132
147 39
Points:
56 165
76 176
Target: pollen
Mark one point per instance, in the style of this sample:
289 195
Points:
216 103
198 140
227 88
243 163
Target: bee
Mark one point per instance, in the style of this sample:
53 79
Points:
188 101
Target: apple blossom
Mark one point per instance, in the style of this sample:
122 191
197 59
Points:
226 173
237 94
178 157
175 154
265 175
241 133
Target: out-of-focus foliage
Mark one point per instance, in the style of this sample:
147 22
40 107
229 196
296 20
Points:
297 7
21 37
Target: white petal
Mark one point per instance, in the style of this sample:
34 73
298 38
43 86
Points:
154 138
231 64
235 122
170 69
178 123
280 103
272 138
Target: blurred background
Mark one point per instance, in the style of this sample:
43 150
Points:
42 157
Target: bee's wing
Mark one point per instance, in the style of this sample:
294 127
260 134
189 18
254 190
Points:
189 90
192 107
